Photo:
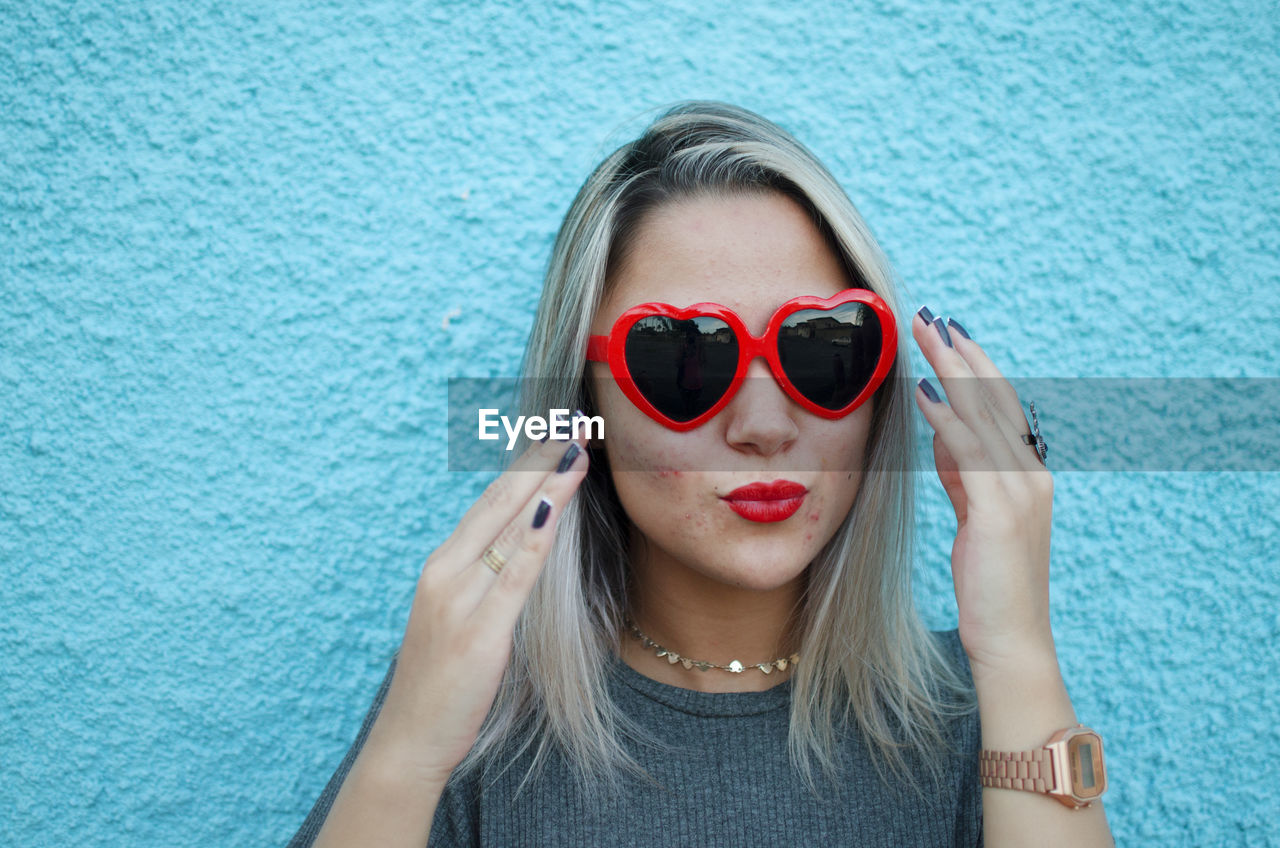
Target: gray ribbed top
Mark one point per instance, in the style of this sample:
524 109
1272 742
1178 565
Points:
727 781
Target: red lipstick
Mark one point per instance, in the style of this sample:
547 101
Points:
776 501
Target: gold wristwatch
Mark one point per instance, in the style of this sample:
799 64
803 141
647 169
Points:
1069 767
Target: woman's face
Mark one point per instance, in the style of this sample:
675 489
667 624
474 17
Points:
750 253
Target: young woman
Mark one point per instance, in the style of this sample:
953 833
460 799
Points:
655 639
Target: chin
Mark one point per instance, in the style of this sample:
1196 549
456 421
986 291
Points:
763 568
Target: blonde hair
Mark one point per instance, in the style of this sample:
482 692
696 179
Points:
866 653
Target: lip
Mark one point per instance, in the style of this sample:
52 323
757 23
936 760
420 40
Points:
767 502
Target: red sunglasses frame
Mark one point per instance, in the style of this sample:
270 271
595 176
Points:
611 349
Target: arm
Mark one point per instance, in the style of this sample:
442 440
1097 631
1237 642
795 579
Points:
1002 494
456 648
1020 706
372 794
383 801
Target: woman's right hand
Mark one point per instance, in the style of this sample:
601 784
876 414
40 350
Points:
460 633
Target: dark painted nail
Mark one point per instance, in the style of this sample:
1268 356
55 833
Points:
955 325
569 456
926 314
540 517
942 331
929 391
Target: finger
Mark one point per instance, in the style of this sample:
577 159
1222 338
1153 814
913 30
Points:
949 475
504 498
965 395
972 462
1002 394
496 596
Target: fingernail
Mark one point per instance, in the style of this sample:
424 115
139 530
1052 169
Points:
955 325
929 391
926 314
942 331
540 517
569 456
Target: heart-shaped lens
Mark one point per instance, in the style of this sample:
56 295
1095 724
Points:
829 355
682 366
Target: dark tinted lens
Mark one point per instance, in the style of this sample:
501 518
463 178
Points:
682 367
830 354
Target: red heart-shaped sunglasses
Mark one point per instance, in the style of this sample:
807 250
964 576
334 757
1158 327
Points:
682 366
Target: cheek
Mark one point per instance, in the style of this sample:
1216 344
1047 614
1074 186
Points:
812 526
630 450
649 463
663 504
844 446
634 443
822 519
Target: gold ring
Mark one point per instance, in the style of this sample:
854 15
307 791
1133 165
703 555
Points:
494 560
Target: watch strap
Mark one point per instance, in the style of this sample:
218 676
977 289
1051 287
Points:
1028 770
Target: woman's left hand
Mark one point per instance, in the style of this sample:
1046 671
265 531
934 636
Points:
1003 499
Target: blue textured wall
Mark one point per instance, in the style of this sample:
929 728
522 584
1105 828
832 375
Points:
230 236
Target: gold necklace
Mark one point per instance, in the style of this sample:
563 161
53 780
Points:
736 667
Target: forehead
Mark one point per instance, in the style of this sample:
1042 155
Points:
750 252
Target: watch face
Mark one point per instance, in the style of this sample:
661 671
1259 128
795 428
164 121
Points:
1088 774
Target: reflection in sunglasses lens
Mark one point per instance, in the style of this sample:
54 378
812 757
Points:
682 367
830 355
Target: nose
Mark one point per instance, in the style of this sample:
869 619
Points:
762 418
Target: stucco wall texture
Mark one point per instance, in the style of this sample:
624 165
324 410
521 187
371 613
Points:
243 246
